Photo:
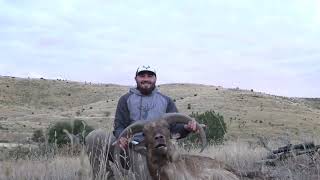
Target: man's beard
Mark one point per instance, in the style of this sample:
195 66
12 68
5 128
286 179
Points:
146 91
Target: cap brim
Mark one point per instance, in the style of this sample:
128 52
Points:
143 71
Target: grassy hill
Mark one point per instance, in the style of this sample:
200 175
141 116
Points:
30 104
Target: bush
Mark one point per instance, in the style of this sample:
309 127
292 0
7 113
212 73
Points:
56 134
215 130
78 128
38 136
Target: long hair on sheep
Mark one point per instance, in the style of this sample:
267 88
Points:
165 162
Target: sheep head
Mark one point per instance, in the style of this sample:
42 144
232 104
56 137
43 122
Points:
150 128
157 137
157 134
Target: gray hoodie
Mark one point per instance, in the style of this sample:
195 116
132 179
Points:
135 106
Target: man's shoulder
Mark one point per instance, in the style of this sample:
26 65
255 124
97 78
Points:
171 107
125 96
164 96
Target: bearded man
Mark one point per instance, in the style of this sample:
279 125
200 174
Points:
142 103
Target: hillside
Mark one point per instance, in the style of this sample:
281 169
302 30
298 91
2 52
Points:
30 104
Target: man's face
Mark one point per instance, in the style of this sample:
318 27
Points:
146 82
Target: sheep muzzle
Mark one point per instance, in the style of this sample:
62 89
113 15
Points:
160 144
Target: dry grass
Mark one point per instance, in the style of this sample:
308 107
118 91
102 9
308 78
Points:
68 168
239 155
30 104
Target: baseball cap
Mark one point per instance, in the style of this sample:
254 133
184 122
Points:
146 68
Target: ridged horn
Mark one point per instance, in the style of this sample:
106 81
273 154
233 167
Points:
131 129
184 119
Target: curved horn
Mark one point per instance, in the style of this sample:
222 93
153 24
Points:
131 129
182 118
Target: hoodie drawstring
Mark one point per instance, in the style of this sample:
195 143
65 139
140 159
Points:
140 108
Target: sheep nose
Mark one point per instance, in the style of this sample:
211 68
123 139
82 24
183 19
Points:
158 136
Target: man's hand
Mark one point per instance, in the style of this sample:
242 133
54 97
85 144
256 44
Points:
123 142
191 126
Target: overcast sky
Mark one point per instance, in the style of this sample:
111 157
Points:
266 45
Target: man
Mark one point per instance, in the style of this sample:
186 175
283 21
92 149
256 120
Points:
142 103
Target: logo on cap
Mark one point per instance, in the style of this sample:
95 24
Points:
145 68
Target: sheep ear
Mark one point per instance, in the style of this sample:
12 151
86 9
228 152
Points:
175 135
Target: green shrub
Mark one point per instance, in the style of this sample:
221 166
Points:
80 127
56 133
38 136
215 127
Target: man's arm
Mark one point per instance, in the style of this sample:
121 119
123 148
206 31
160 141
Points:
122 116
176 128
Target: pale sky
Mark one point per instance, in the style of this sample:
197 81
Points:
266 45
